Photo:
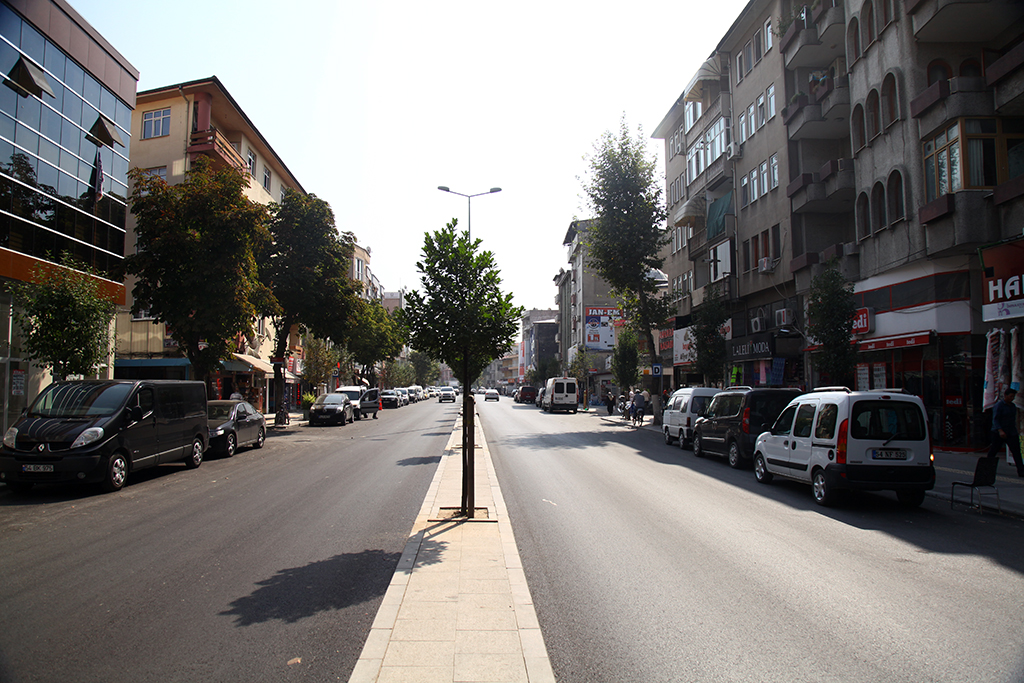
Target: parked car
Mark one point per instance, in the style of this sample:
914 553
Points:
404 395
446 394
560 394
332 408
234 424
836 439
103 430
682 411
734 419
526 395
539 401
389 398
491 395
364 401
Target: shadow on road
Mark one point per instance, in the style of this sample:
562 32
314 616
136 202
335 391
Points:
425 460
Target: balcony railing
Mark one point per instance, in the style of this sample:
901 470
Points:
213 143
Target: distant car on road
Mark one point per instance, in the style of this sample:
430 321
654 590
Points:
491 395
336 408
526 395
390 398
446 394
234 424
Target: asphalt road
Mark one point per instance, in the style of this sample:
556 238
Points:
268 566
648 564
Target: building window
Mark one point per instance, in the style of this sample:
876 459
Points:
252 163
890 104
886 6
751 118
762 112
743 127
739 67
758 45
938 70
753 185
266 179
156 124
863 217
764 177
894 194
715 140
874 117
158 172
359 263
878 219
970 68
695 160
773 164
777 241
770 93
973 153
744 191
283 188
853 39
746 256
767 33
857 121
868 13
748 57
693 112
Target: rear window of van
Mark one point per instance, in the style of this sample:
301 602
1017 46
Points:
887 420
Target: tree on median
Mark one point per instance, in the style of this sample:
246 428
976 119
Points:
462 319
196 263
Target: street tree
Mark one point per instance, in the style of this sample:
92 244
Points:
626 237
375 337
461 318
830 312
397 373
708 342
626 359
307 271
64 318
196 262
320 360
426 368
580 369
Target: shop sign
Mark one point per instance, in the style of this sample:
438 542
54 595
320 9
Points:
600 330
864 321
884 343
1002 291
954 401
665 340
749 348
683 348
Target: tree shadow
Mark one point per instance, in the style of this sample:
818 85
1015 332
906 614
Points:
332 584
423 460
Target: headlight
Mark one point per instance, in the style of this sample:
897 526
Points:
217 432
11 437
88 436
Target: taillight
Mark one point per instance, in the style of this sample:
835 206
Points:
687 421
841 445
745 426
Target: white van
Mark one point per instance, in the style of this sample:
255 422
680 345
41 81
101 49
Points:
834 438
681 413
560 394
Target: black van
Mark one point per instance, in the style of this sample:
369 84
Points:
100 430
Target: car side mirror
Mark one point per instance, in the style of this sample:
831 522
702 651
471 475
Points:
135 414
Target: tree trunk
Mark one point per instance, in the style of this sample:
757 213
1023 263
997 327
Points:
280 348
656 390
468 445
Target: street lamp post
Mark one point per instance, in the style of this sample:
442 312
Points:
469 204
468 420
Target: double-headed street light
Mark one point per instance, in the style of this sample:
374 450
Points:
469 205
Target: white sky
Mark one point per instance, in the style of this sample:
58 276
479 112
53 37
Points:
373 105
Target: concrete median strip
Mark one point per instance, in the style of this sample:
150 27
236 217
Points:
458 607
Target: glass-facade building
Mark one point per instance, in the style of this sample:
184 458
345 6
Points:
65 120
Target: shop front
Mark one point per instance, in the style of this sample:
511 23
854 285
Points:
765 359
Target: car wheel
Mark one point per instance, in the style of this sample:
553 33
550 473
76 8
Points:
668 437
823 493
682 441
116 474
761 472
698 448
735 460
195 457
261 438
910 499
230 444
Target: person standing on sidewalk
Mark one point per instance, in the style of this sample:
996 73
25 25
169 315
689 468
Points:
1004 430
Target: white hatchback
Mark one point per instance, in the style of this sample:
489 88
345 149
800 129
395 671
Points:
836 439
681 413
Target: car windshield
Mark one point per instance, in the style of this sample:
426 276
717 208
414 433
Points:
80 400
330 398
887 420
219 411
353 395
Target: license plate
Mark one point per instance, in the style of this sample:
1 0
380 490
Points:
37 468
889 454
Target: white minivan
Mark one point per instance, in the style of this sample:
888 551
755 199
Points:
681 413
835 439
560 394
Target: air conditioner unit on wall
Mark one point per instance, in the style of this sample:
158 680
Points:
734 151
765 265
757 325
783 316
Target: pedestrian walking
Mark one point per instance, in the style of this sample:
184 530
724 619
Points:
609 402
1004 430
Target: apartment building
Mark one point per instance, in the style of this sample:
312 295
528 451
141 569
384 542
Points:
886 135
361 273
173 125
65 139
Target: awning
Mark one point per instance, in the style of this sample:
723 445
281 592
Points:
150 362
896 341
708 71
692 211
257 364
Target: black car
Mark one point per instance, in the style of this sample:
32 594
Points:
734 419
332 408
234 424
390 399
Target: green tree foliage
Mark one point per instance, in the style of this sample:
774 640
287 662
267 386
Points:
307 270
397 373
708 342
426 368
624 243
626 359
320 360
545 369
831 309
196 264
375 336
64 319
580 369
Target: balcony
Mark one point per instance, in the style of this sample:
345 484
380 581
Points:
834 97
959 223
947 100
961 21
213 144
810 43
830 190
805 119
1006 77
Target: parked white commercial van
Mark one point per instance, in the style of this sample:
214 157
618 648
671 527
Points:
681 413
834 439
560 394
